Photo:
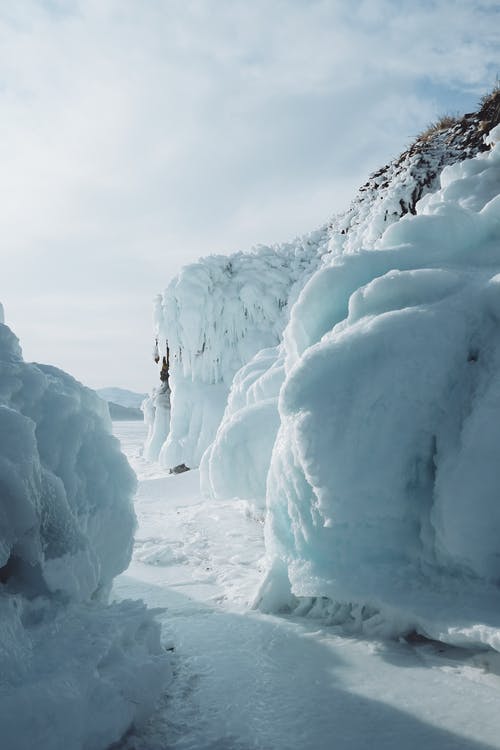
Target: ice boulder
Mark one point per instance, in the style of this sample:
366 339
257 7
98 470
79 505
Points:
76 672
383 488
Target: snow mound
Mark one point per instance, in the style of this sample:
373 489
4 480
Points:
383 485
68 660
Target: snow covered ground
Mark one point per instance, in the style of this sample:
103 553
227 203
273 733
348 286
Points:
246 680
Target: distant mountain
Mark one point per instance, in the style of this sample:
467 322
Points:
124 413
122 397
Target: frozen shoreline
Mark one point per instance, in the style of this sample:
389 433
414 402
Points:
249 680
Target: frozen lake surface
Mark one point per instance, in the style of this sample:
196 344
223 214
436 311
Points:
245 680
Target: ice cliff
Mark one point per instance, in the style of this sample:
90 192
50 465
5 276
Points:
347 386
75 671
217 314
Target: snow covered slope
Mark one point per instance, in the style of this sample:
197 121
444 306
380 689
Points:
75 672
394 190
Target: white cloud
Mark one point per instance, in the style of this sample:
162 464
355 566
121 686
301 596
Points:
138 136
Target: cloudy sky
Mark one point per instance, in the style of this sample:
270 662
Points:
137 135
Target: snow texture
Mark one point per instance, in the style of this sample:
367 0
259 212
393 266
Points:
76 673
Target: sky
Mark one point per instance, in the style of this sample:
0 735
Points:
139 135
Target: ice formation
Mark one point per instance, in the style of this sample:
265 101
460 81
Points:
76 672
237 462
216 315
383 486
352 394
156 410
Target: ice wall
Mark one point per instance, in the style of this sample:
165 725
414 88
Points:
383 486
217 314
220 312
360 426
75 672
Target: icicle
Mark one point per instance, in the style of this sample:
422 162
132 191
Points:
156 352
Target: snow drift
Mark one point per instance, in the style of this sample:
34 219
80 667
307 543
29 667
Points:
76 673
